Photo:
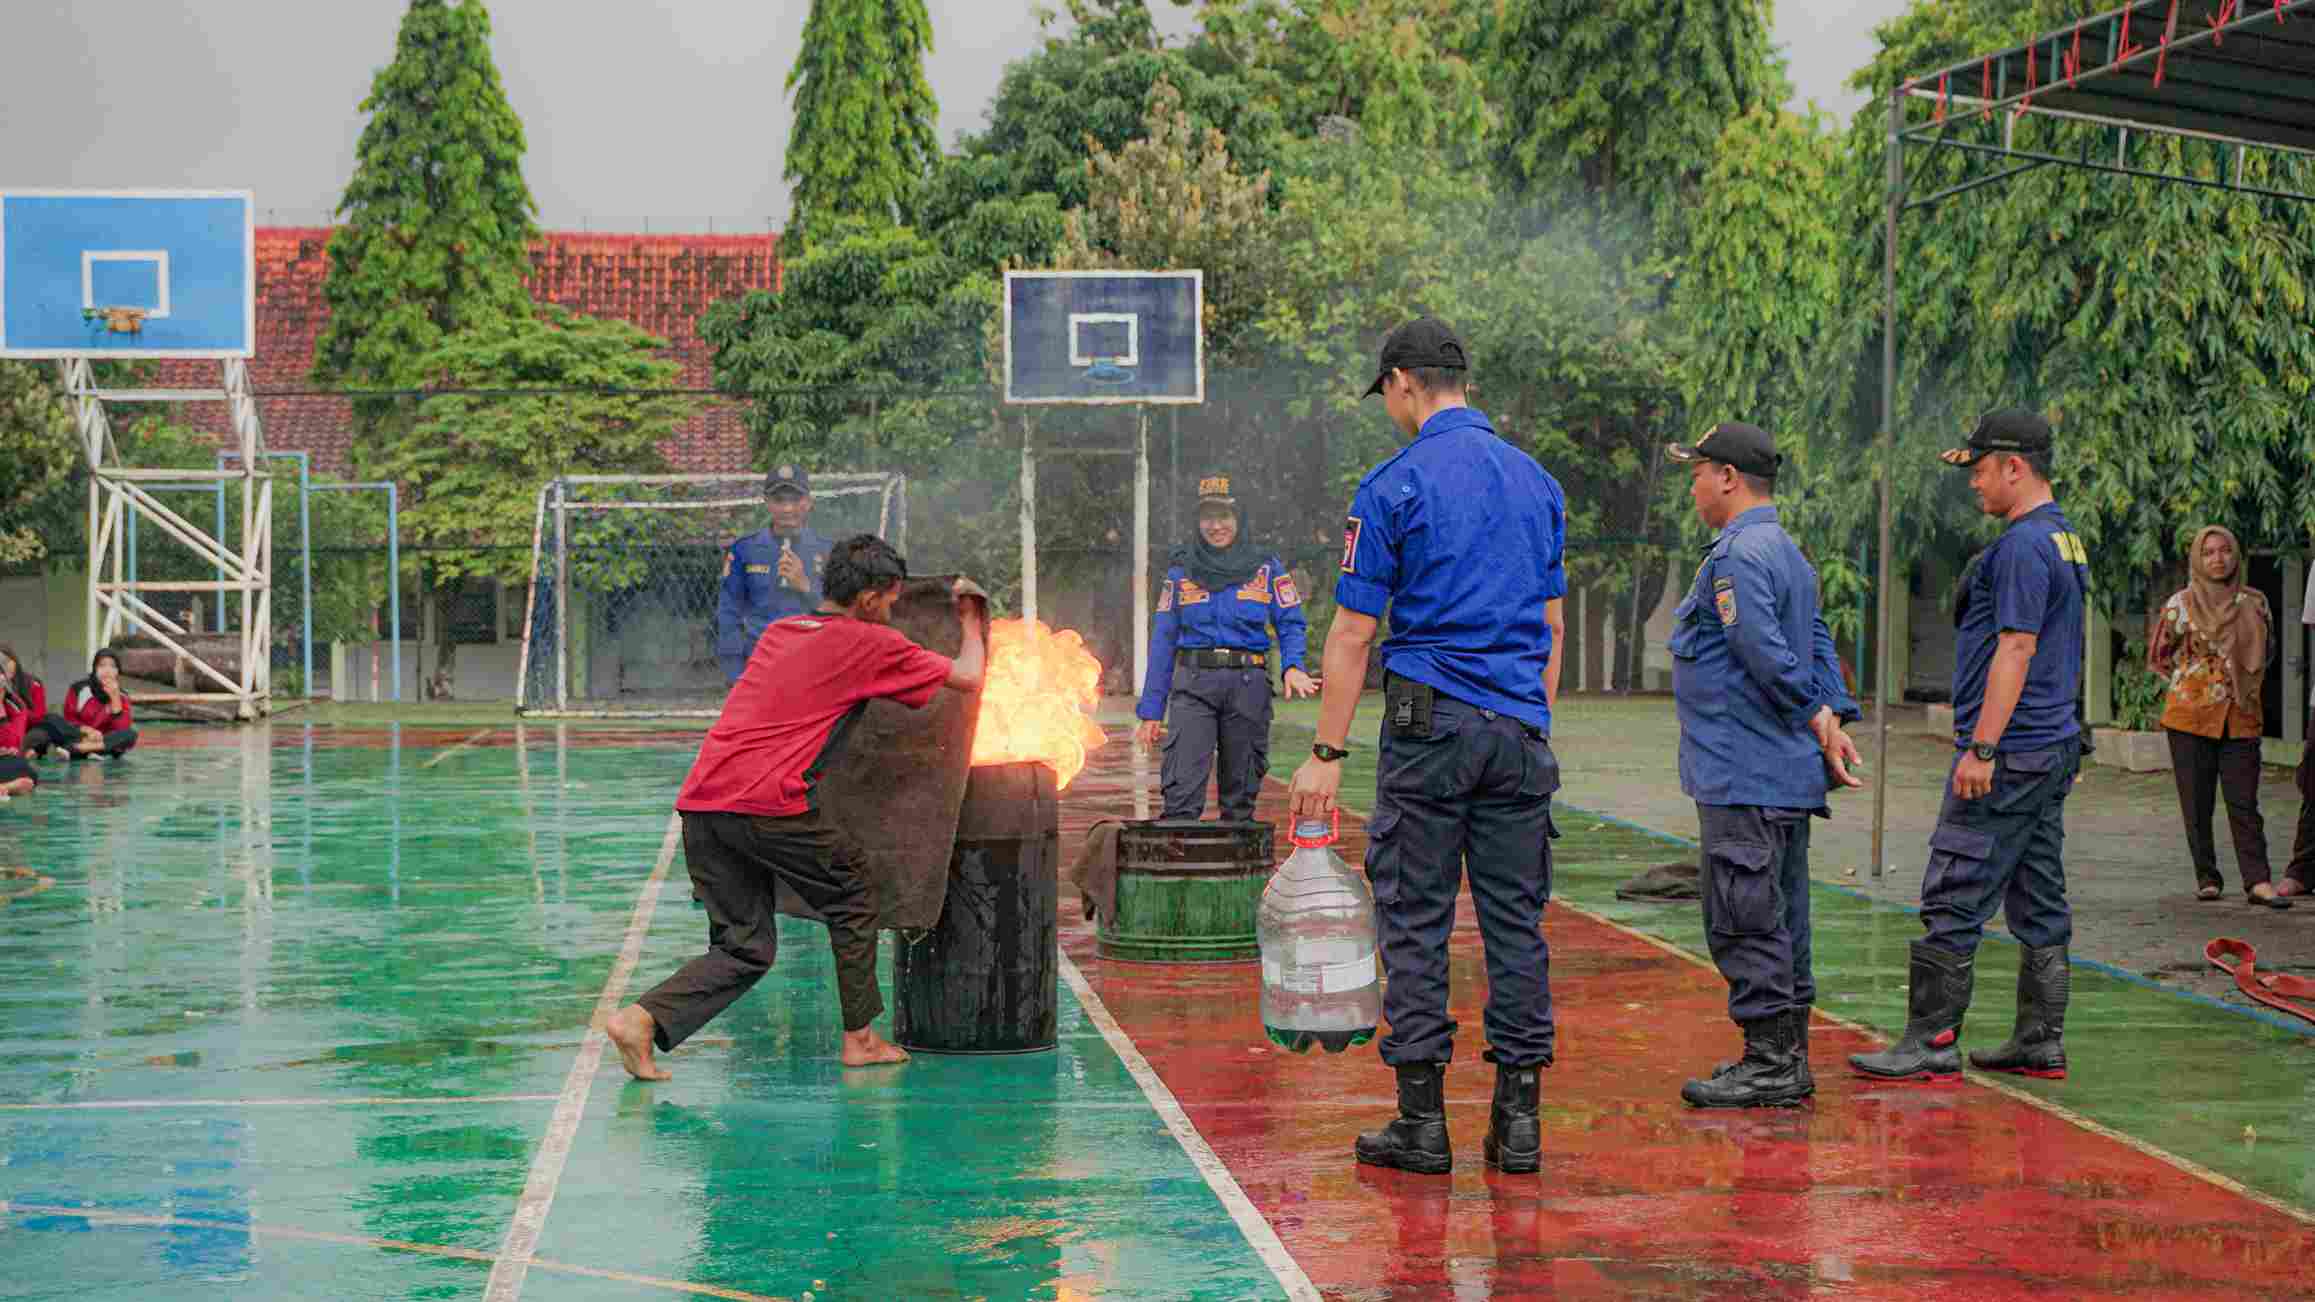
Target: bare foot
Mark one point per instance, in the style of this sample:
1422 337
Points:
865 1048
631 1030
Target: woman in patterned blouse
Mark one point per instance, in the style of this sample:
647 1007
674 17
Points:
2212 640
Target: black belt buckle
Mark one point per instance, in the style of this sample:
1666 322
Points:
1407 706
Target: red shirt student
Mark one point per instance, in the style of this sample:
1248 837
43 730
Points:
21 703
98 712
749 819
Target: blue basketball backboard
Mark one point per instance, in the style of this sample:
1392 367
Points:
186 260
1095 337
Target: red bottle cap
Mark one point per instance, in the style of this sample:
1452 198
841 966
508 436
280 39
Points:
1317 842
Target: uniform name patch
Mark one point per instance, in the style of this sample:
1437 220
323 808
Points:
759 569
1725 600
2070 548
1350 532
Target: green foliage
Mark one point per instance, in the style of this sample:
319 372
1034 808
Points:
1404 72
2140 694
39 448
437 218
863 133
1621 100
470 473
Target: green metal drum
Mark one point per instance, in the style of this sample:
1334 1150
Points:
1187 892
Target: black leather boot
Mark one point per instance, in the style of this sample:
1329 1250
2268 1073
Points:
1930 1049
1514 1132
2036 1047
1417 1139
1769 1075
1799 1013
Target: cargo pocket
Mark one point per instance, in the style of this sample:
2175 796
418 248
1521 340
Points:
1744 891
1382 858
1957 856
2023 774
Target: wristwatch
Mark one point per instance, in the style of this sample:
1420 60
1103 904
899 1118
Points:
1983 750
1328 753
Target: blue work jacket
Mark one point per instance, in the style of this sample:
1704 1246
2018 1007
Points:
753 595
1189 618
1463 536
1752 663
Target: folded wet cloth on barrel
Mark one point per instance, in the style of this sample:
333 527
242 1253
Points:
1094 871
894 785
1665 881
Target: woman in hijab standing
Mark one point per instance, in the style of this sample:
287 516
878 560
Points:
2212 640
1209 651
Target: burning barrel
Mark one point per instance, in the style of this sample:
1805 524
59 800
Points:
1187 892
986 979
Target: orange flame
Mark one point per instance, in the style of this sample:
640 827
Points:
1039 687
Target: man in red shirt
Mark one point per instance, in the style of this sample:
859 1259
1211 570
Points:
749 818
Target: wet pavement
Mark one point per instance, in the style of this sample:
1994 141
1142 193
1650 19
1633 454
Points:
303 1012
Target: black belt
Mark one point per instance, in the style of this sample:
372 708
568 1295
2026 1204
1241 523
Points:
1213 657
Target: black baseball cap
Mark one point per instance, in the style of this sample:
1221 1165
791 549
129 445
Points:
1748 448
789 477
1425 341
2012 429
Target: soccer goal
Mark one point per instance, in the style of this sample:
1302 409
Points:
626 573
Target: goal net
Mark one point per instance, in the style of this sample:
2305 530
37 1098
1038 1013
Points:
626 573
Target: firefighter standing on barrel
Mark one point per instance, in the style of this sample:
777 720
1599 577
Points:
1209 649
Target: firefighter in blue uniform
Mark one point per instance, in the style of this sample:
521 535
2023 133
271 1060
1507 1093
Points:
1761 703
1209 676
1461 535
2001 833
772 573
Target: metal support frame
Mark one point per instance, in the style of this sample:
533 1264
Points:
304 546
116 490
1937 133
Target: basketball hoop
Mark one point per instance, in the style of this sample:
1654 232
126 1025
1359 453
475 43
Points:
1108 370
118 320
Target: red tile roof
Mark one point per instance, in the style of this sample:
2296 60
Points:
660 283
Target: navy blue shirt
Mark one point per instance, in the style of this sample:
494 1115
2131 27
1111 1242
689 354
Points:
2032 580
753 594
1462 535
1189 618
1752 663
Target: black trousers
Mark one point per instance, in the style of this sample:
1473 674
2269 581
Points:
2203 765
1756 907
2006 851
1223 712
13 767
60 733
1471 795
735 860
2302 869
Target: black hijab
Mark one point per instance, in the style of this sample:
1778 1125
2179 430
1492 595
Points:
1215 568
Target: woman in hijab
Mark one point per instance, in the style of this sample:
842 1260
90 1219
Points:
1208 690
2212 640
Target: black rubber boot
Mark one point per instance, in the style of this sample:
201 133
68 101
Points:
2036 1047
1799 1013
1769 1075
1416 1140
1930 1049
1514 1131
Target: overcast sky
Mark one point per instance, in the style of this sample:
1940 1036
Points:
669 113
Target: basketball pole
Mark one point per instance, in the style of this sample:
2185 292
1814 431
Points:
1028 519
1141 544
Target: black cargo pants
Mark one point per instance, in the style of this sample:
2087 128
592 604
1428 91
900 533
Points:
1216 711
1756 906
2005 850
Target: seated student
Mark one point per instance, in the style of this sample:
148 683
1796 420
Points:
97 710
16 776
750 816
42 729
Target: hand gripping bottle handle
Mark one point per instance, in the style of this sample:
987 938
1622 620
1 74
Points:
1310 834
1316 925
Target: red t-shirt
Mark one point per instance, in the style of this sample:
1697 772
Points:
85 705
807 673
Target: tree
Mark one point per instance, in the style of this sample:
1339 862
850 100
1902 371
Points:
437 218
863 135
39 448
471 469
1403 72
1619 102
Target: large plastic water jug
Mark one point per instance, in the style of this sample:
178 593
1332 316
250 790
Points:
1316 927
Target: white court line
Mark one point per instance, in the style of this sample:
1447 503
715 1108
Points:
1251 1223
257 1230
446 753
2058 1110
314 1102
538 1192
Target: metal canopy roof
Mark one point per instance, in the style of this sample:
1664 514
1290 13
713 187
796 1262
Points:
2235 72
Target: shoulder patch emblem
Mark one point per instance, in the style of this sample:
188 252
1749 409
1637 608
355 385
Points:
1725 599
1166 597
1350 532
1288 594
2070 548
1723 584
1258 587
727 565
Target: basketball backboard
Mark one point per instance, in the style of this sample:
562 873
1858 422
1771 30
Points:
1104 337
128 273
